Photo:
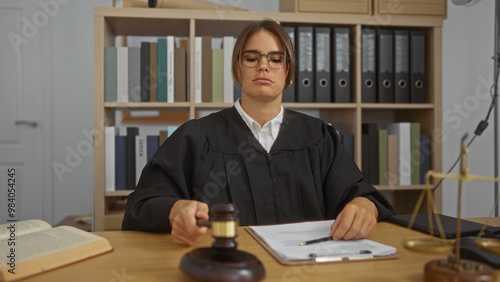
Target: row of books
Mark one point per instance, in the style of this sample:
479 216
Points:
393 65
395 153
127 154
158 71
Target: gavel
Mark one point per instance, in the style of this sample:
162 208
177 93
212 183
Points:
222 262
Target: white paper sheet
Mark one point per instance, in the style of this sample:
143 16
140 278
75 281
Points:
285 240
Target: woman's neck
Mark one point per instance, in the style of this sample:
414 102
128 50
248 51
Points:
259 111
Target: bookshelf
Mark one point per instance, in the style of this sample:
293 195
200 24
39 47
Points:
112 22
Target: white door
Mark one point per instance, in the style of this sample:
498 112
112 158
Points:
21 126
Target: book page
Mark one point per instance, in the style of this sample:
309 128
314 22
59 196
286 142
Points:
285 240
22 227
46 242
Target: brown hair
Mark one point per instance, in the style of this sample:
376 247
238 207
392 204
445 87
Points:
274 28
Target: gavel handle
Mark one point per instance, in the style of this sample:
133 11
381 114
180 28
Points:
203 222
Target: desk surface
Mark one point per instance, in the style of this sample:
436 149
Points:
139 256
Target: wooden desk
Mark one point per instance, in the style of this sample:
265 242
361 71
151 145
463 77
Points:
139 256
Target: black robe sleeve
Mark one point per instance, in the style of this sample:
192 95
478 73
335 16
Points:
166 178
343 181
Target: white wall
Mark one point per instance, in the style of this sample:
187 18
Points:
468 34
467 48
72 85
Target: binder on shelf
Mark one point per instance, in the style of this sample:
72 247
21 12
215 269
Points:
134 74
401 66
342 63
322 68
305 75
145 69
110 74
206 68
130 144
122 74
162 70
417 66
153 72
290 93
368 65
180 93
385 66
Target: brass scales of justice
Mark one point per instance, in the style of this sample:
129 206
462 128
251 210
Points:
453 268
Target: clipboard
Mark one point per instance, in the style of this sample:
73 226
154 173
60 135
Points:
337 259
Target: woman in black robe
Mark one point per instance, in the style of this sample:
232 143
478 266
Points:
276 165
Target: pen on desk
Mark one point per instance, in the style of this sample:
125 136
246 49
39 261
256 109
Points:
315 241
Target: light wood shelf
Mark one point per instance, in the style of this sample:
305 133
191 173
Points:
112 22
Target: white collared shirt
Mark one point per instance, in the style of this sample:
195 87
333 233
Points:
267 134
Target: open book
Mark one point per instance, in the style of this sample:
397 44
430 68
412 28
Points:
33 246
283 241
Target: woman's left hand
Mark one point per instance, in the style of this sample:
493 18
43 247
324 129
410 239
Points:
356 221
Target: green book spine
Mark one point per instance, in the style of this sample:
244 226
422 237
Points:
382 157
110 74
415 153
162 70
217 78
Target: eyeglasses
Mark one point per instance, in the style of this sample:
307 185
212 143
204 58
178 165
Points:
275 59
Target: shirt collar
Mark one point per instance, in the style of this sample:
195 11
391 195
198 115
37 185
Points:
275 123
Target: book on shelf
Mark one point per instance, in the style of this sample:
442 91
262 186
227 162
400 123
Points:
122 74
32 247
110 73
110 133
180 93
120 162
206 69
153 72
382 157
392 160
227 50
145 71
161 69
134 74
217 77
170 68
141 155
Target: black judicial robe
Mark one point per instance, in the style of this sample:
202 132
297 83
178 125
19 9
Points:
307 175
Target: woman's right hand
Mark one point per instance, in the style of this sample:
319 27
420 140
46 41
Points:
182 218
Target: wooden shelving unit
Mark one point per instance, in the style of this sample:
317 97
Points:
112 22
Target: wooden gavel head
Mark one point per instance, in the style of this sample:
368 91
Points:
224 224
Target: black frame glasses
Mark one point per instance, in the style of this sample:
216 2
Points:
275 59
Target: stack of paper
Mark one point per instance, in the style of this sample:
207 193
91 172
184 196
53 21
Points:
285 239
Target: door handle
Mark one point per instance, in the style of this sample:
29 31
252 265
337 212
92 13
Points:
30 123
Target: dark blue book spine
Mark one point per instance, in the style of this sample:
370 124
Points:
348 141
152 145
121 162
425 156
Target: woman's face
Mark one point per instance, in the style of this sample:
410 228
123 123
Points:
262 82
